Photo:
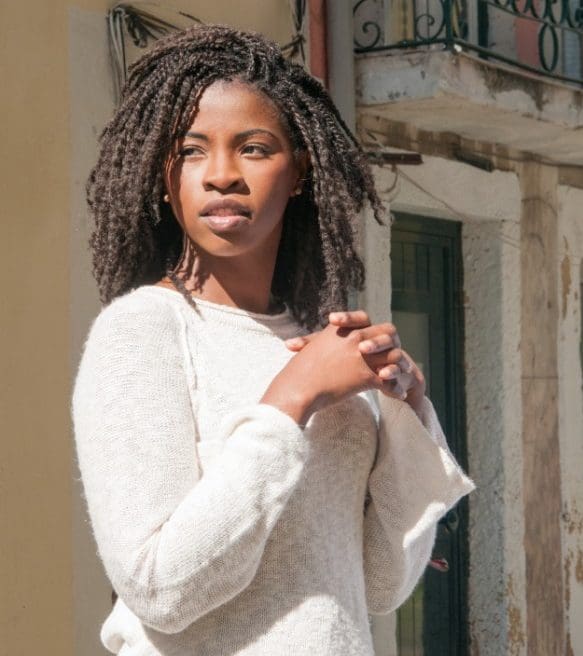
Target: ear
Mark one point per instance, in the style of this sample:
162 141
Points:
302 165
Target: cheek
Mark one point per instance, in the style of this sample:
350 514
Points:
278 183
286 172
187 186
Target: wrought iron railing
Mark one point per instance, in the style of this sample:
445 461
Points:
544 36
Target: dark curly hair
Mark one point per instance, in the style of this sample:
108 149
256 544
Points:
137 240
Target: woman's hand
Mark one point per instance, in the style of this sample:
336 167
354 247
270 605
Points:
348 356
380 347
407 380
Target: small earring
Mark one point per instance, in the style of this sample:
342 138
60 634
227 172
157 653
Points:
166 198
297 191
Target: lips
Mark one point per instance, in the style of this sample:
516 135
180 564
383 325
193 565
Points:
225 215
225 207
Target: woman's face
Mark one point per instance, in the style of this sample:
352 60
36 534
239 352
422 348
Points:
230 178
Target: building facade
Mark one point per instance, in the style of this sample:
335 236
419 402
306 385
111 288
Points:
472 114
489 95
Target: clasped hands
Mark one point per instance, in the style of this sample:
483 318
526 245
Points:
395 371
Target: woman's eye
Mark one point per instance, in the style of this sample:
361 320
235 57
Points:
256 149
189 151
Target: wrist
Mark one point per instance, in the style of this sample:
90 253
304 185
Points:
296 404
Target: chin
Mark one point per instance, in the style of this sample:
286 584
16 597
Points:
222 247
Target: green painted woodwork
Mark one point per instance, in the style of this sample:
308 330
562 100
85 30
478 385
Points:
427 300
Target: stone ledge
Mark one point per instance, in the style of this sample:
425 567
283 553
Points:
442 91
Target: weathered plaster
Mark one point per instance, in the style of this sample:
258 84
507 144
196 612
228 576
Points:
489 207
570 221
522 298
497 573
375 245
540 434
442 91
565 278
469 195
516 626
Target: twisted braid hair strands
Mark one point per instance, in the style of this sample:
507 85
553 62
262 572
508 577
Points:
136 238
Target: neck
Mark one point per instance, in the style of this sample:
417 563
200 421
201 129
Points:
241 281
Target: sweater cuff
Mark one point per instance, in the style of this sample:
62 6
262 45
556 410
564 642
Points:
428 417
428 427
422 468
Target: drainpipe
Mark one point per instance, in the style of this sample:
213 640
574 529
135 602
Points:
341 58
331 57
318 40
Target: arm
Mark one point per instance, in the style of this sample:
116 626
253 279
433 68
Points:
174 545
414 482
415 479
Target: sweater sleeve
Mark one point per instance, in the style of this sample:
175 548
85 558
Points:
174 543
415 480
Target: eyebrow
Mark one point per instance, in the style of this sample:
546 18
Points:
239 136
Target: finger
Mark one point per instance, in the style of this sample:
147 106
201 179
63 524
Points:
399 392
407 364
350 319
379 337
389 373
393 389
401 359
393 356
377 344
397 339
296 343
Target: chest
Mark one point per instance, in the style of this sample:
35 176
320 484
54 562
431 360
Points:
233 372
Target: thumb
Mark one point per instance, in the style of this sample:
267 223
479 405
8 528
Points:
297 343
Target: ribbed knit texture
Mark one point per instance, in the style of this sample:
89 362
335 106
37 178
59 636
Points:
225 528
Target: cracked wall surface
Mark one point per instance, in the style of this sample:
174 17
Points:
571 409
522 297
497 571
488 205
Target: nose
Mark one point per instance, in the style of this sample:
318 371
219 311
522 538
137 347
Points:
222 173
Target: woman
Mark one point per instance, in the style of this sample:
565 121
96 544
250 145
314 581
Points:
245 494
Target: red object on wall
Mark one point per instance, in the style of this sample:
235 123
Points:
526 34
318 40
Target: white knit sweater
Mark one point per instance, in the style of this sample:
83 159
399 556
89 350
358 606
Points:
225 527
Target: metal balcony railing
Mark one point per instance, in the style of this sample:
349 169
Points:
543 36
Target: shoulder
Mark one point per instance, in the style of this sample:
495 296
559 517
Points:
145 311
143 322
133 354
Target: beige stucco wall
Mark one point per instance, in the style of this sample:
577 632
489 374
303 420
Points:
55 97
35 486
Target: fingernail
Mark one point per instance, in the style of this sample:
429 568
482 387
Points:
400 394
387 374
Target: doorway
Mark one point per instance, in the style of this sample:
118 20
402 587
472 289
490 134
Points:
427 308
